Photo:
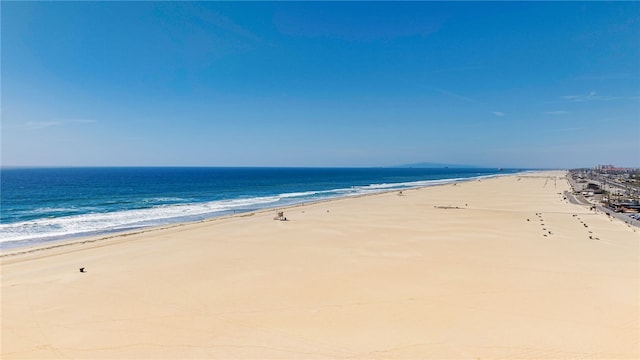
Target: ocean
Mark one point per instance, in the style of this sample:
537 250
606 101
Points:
39 205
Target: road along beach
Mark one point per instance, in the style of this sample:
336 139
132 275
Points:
493 268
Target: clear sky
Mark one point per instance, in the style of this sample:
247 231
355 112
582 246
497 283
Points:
553 85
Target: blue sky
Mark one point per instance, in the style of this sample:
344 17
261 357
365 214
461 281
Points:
553 85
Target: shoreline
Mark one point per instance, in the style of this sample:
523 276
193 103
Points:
109 235
31 218
495 268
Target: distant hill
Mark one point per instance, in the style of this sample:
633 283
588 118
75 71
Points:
430 165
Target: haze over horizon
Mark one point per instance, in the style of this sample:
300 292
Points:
500 84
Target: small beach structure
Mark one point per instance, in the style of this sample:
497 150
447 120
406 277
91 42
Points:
280 216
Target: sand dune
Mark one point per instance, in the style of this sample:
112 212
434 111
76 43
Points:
497 268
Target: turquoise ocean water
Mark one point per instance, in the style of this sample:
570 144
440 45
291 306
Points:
48 204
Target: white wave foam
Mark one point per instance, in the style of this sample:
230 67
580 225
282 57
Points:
165 199
95 222
46 210
313 193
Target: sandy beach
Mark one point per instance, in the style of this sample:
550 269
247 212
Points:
494 268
